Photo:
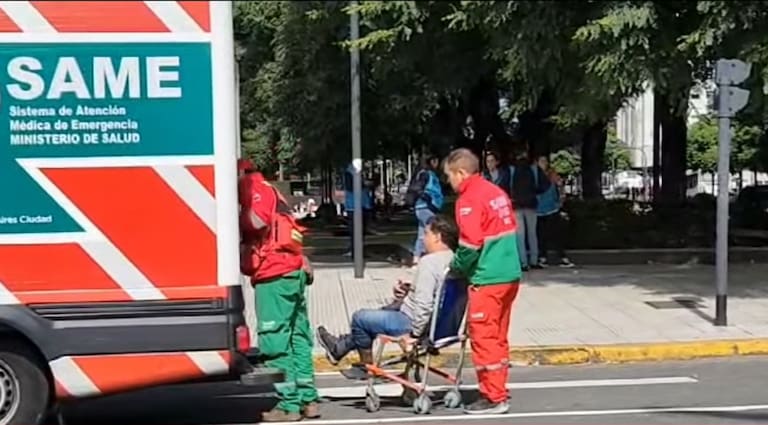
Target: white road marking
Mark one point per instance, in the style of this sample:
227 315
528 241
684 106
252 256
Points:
394 390
468 418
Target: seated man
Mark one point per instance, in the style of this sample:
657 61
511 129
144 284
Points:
410 313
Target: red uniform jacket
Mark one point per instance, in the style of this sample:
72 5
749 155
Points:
487 252
261 258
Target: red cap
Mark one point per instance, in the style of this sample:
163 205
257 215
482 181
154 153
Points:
244 165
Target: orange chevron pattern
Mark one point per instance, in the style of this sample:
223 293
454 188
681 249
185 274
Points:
107 16
87 376
132 206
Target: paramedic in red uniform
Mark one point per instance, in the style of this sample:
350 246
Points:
271 254
487 255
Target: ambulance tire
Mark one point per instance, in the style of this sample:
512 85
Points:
24 384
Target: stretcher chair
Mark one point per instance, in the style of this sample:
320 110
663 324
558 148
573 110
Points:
447 327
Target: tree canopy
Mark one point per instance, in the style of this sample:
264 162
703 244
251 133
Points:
435 75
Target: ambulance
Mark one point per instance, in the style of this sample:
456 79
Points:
119 250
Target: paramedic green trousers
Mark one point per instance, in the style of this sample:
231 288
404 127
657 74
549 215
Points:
285 338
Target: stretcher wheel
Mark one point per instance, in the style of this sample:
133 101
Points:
372 402
422 405
452 399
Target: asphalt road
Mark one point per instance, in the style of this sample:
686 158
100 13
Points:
721 391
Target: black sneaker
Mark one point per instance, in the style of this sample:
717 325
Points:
485 407
537 267
566 263
525 268
357 372
328 342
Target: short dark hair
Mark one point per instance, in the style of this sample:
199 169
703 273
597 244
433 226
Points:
444 227
462 159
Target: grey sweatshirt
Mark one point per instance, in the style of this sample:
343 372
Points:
420 301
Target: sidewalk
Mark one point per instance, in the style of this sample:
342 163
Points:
586 313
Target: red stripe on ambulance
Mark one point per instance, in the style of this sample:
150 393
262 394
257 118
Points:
100 16
67 267
84 376
199 11
7 24
205 175
132 206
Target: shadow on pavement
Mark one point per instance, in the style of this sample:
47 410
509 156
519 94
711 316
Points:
179 405
753 417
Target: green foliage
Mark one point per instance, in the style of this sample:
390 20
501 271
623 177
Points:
617 156
423 61
702 149
566 162
746 146
702 145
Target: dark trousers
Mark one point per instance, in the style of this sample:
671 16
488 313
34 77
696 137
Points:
551 232
351 226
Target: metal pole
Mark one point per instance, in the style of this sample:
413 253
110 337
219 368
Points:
723 177
357 162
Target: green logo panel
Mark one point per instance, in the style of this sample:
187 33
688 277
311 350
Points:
60 100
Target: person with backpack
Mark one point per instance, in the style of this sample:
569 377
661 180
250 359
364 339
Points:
271 254
527 181
550 226
425 194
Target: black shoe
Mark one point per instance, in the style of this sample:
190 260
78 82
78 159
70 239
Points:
537 267
525 268
357 372
329 344
485 407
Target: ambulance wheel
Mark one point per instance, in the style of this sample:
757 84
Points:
452 399
422 405
24 387
372 402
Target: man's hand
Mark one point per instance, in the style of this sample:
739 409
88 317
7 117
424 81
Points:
306 265
407 342
401 289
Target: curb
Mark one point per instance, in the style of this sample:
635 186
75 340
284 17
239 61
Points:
595 354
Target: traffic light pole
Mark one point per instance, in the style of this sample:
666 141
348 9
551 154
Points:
730 100
721 247
357 162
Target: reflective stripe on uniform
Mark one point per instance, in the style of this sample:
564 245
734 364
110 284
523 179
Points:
256 221
493 366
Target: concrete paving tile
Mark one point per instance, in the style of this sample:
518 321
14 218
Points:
595 305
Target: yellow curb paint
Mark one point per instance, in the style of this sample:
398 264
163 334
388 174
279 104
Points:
618 353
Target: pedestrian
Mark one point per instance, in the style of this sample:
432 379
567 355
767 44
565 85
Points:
426 195
495 173
550 225
487 255
349 205
527 182
271 255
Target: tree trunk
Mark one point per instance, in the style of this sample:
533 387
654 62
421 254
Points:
592 157
657 106
741 179
535 129
674 129
483 106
